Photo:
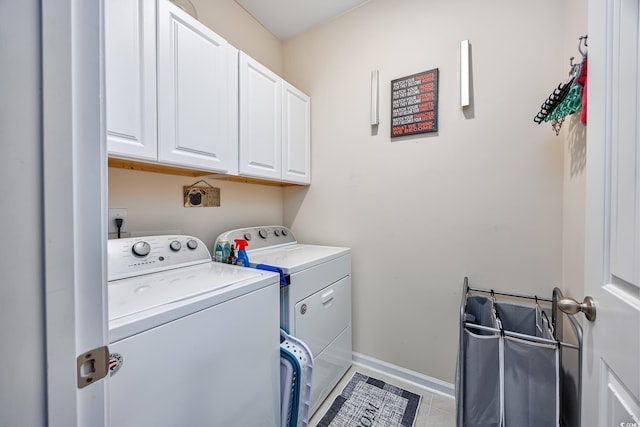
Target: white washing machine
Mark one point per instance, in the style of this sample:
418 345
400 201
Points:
192 342
315 304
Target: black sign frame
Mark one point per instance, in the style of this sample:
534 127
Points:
414 104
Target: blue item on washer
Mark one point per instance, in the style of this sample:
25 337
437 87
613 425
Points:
296 364
284 278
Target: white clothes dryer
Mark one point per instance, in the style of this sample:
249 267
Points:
315 298
192 342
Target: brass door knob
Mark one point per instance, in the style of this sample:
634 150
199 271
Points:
571 306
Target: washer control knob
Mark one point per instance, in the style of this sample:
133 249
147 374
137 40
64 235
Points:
284 232
247 236
276 232
141 249
175 246
192 244
262 233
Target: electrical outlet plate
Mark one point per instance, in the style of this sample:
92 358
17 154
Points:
118 213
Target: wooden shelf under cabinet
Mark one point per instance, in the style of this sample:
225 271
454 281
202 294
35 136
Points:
174 170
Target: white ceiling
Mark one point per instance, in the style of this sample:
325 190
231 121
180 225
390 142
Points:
288 18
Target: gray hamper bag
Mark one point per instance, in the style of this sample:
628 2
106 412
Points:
530 383
482 380
479 367
517 318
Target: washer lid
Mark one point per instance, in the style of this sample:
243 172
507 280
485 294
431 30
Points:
296 257
164 290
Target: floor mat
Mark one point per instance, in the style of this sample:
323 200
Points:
367 401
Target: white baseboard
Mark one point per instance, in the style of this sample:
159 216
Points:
432 384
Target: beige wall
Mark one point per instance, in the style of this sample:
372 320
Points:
238 27
481 198
155 206
574 135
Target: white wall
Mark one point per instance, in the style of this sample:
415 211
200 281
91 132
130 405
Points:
480 198
22 328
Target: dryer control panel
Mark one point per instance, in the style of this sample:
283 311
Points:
259 237
142 255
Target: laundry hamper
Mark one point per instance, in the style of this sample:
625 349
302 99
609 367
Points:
296 364
509 363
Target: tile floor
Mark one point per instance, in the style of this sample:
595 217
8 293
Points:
435 409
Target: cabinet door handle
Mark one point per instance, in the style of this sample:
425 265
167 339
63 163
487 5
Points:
327 297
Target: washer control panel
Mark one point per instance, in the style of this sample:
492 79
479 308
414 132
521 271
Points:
259 237
141 255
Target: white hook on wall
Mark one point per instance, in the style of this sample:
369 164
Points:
375 117
464 73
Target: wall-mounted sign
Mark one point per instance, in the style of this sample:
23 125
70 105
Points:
414 104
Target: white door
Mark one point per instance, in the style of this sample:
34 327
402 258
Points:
197 92
611 372
74 199
296 135
130 73
260 120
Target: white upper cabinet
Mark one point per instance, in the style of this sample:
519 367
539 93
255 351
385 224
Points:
197 94
275 131
178 94
296 135
130 73
260 120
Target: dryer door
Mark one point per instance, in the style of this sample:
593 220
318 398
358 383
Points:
321 317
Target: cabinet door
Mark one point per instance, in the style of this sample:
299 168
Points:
260 120
130 74
196 118
296 135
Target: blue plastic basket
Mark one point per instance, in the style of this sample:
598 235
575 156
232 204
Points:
296 364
